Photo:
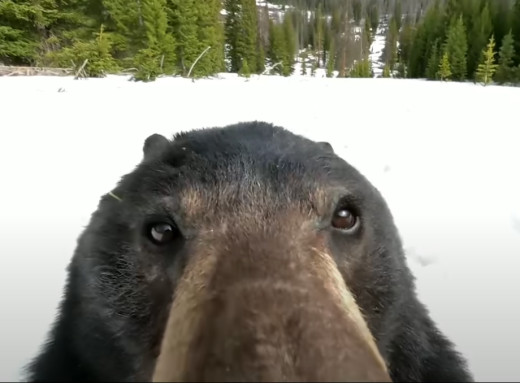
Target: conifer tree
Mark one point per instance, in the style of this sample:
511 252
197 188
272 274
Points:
290 45
478 35
260 60
487 67
148 63
368 33
357 9
183 18
506 71
361 69
444 71
319 35
125 21
431 29
159 55
95 52
432 67
304 63
277 46
398 14
210 34
245 71
386 71
501 12
405 42
390 50
231 32
29 30
241 30
335 22
331 59
196 26
373 17
515 25
18 40
456 48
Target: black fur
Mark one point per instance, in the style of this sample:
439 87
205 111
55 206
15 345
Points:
154 144
119 287
326 146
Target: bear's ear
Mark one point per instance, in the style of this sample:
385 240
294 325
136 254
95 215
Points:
326 146
153 145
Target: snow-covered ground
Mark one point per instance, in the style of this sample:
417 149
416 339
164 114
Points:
445 155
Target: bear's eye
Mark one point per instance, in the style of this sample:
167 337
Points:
162 233
345 220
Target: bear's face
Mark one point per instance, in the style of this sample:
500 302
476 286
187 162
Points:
212 213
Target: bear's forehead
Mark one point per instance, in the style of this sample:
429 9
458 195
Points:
264 171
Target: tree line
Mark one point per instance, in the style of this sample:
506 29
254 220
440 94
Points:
181 37
461 40
435 39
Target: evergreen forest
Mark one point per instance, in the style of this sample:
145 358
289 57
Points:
445 40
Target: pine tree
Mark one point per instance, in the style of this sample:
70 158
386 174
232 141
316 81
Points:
319 35
331 60
241 31
196 26
515 25
456 47
478 35
18 38
501 18
244 70
304 63
401 70
231 32
148 63
487 67
357 8
386 71
361 69
210 33
290 45
398 14
444 72
431 29
277 46
373 17
368 33
390 50
506 71
405 42
434 61
183 18
95 52
260 60
29 30
159 55
125 21
156 30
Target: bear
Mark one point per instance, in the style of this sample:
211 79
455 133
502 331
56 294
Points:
243 252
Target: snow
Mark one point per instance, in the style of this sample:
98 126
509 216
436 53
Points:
444 155
377 47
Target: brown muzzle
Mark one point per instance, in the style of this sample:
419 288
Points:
256 315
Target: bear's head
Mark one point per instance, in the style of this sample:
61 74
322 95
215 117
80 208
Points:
244 253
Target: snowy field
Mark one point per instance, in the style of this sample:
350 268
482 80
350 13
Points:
446 157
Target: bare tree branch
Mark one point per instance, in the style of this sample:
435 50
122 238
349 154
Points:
198 58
